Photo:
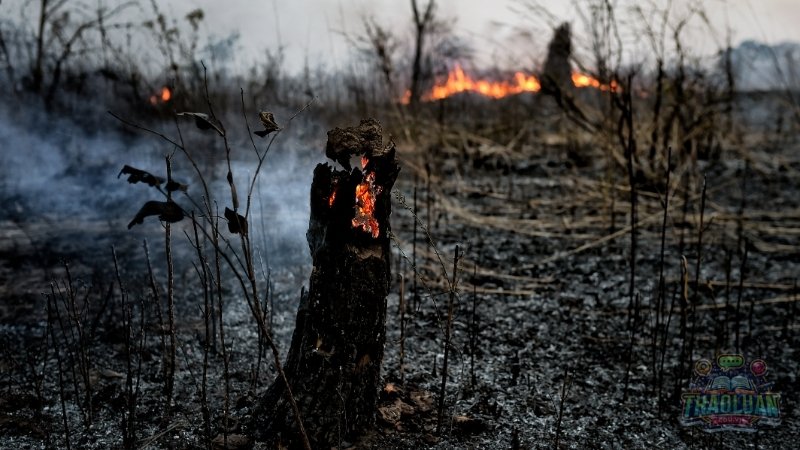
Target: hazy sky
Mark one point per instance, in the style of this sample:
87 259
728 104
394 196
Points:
312 28
502 32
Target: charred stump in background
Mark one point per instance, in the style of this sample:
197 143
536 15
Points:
556 78
557 75
334 362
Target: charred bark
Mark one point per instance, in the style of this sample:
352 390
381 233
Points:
334 362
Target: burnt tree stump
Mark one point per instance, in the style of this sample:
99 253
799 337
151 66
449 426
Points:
557 74
334 362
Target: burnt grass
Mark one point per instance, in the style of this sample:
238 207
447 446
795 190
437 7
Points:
553 334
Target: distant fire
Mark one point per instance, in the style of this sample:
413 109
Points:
366 194
582 80
163 97
459 82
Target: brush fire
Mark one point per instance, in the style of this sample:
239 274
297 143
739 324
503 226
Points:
510 224
459 82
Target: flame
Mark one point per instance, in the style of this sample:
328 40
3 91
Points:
163 97
581 80
406 99
366 194
458 82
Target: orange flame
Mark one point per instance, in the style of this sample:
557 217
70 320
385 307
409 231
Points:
581 80
406 99
366 194
163 97
458 82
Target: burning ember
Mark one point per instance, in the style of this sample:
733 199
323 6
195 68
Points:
366 194
458 82
164 97
332 198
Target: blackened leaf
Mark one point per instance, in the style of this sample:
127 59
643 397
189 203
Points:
166 211
268 121
173 186
205 122
236 222
137 175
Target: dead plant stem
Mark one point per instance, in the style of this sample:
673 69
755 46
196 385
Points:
448 327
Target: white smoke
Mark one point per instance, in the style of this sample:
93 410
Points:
53 168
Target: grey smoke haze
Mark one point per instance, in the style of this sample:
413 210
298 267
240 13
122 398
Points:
55 171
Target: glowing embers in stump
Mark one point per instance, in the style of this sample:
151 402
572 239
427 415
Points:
332 198
366 194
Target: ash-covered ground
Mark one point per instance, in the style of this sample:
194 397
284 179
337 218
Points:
543 315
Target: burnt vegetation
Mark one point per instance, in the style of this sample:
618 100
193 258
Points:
407 253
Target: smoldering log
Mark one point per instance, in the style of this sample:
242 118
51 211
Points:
334 362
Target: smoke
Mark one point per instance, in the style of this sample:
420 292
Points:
52 168
61 177
280 203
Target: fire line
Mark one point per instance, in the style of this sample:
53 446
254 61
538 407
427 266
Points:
459 81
